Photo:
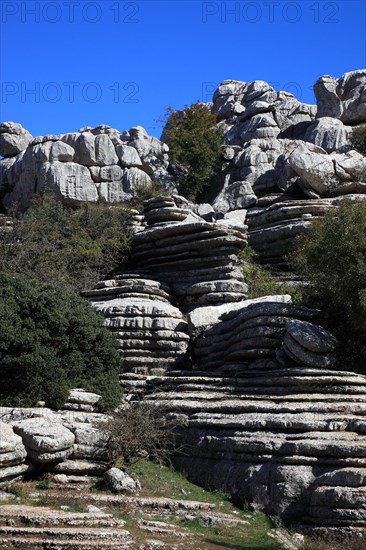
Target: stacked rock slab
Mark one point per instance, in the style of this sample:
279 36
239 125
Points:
70 441
246 333
308 345
197 258
288 439
150 331
12 455
264 421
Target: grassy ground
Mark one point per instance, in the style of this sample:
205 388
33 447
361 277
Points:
251 532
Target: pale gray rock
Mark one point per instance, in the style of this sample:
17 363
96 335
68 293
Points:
303 355
13 139
84 146
43 436
111 173
327 100
351 89
79 395
329 133
105 154
78 467
128 156
12 452
322 172
344 98
236 195
52 151
120 482
71 182
9 474
205 317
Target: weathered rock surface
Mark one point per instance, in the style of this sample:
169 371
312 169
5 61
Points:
151 333
273 229
69 441
286 438
344 98
241 335
12 455
13 139
274 144
86 166
198 259
118 481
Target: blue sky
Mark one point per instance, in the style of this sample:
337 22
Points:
72 63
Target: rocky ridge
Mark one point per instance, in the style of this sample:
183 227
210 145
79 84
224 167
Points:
93 164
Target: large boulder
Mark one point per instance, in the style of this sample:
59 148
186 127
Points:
13 139
118 481
344 99
45 441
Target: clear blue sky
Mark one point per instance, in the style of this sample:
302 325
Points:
71 63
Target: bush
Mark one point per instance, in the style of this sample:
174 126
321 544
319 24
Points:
51 340
194 143
358 138
332 257
76 248
260 281
138 432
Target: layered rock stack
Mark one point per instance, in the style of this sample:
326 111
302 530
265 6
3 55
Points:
198 259
12 456
309 345
291 440
274 229
246 333
151 333
70 441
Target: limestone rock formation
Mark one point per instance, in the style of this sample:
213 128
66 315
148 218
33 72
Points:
151 333
13 139
12 455
241 335
68 441
343 98
274 227
198 259
44 440
286 436
86 166
118 481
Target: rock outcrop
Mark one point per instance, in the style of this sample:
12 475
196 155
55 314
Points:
69 441
94 164
12 455
289 439
151 333
197 258
274 145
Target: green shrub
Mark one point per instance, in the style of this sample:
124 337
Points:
194 143
260 281
358 138
54 243
332 257
51 340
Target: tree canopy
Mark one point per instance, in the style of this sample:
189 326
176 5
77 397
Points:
52 340
194 143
